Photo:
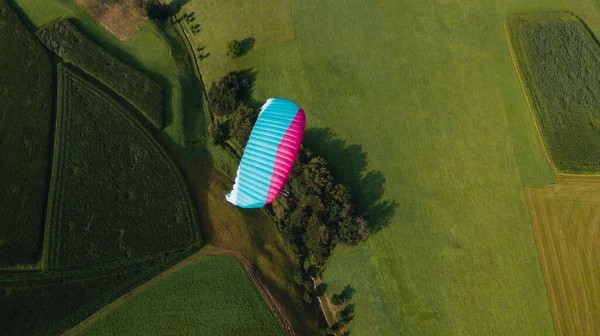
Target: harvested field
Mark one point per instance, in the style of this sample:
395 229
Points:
120 17
566 222
25 133
64 39
115 193
212 296
558 61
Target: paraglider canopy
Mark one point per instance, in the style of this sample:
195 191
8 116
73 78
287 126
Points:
269 155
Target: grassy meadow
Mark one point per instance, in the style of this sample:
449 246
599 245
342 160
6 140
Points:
565 220
425 97
25 129
557 59
212 296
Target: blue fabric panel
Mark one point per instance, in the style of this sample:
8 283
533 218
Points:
258 160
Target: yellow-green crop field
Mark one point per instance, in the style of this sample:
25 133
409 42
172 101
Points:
566 221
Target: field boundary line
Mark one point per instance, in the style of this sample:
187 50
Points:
528 99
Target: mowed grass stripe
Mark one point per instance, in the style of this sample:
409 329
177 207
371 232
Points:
566 221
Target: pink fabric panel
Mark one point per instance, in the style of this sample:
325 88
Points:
287 151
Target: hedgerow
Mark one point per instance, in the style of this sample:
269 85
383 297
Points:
64 39
558 61
115 192
25 126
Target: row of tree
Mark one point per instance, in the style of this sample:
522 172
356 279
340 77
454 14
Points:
232 118
313 212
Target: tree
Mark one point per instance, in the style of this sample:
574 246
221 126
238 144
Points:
233 48
224 95
337 299
353 230
243 120
217 133
156 10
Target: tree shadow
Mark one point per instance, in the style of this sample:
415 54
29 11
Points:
247 96
175 6
246 45
348 164
321 289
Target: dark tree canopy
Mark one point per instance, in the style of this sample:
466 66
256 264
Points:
157 10
224 95
243 121
317 214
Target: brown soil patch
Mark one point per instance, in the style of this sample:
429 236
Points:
120 17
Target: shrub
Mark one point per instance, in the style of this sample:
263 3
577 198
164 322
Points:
337 299
233 48
307 297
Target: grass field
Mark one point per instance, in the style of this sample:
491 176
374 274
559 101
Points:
65 40
252 235
212 296
165 65
182 97
426 94
49 303
114 188
25 128
558 60
566 223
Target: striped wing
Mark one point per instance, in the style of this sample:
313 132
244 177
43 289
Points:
270 154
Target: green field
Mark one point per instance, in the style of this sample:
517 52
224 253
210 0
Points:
114 188
63 38
425 93
558 60
148 50
565 221
48 303
25 119
212 296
